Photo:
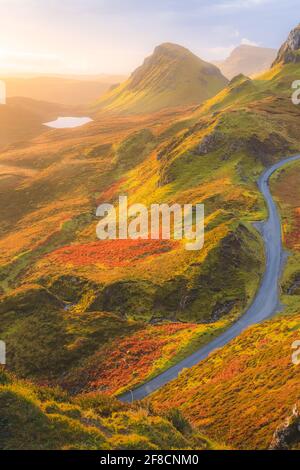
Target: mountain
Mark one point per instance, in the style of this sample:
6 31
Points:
248 60
290 50
63 90
171 76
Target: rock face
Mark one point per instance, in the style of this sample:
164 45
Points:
290 50
211 142
287 435
264 149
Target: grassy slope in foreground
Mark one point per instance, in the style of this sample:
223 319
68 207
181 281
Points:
35 418
243 391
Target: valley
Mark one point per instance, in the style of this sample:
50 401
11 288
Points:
141 343
265 304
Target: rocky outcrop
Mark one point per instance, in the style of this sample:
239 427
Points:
221 309
290 50
70 288
292 287
211 142
128 298
288 434
263 149
266 149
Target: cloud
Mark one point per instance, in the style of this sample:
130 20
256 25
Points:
25 57
240 4
247 42
28 61
222 52
235 34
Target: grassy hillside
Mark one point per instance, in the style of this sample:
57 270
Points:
244 391
248 390
21 119
42 418
172 76
286 188
212 154
126 361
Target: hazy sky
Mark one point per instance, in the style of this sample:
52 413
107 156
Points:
114 36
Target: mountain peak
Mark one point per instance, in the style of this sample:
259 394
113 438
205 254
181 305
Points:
290 50
171 76
248 60
167 54
251 49
171 48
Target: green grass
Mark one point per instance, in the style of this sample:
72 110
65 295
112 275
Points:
34 418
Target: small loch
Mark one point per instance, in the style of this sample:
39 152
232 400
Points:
68 122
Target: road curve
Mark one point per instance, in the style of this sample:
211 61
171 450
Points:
265 304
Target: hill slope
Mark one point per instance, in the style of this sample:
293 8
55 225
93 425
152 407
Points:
171 76
243 391
41 418
22 119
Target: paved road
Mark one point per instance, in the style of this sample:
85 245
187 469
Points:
265 304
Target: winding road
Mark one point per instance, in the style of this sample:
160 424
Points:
265 304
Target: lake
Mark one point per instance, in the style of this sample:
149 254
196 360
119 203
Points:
68 122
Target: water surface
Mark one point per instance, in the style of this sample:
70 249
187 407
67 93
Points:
68 122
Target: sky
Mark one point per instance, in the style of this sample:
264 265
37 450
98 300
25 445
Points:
114 36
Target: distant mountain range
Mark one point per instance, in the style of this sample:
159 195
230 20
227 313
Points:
249 60
171 76
67 90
